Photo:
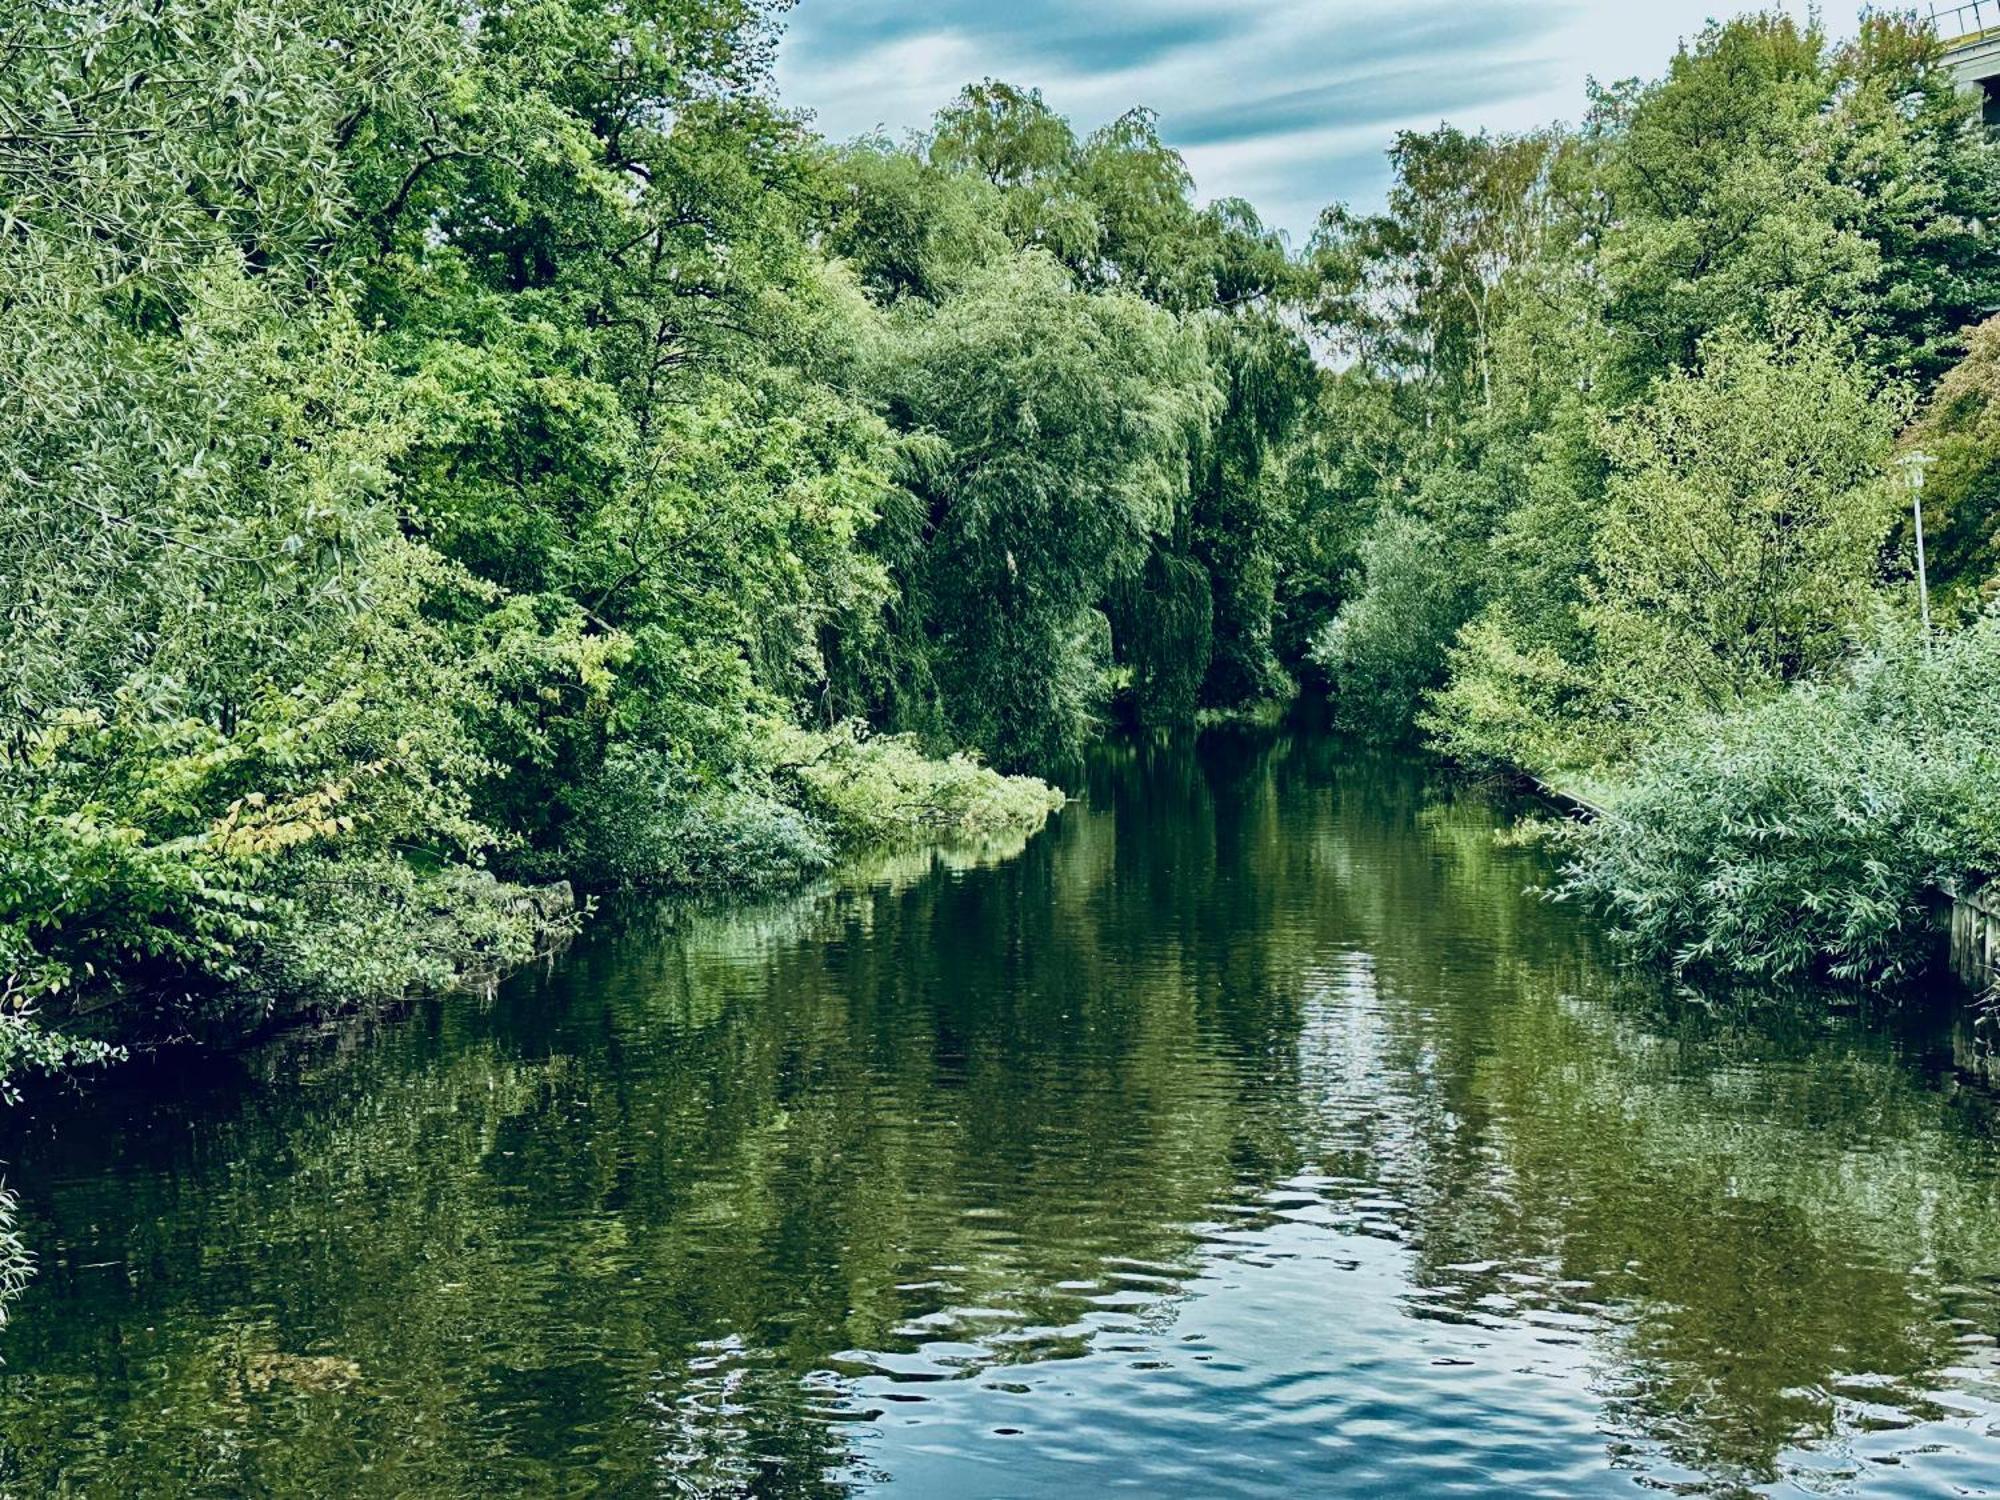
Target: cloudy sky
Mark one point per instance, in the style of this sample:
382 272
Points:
1288 103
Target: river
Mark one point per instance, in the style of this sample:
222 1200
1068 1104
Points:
1254 1130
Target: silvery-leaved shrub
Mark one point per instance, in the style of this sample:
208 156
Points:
1822 831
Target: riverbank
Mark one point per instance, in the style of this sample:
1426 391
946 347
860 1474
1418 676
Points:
337 937
1821 830
449 930
872 802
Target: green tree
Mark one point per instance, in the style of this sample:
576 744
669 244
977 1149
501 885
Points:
426 441
1061 423
1768 169
1960 429
1417 293
1745 515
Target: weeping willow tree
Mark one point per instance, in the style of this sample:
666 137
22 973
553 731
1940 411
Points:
1163 620
1061 423
1074 528
1237 517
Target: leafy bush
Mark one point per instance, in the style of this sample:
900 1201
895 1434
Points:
1506 704
805 798
882 789
1386 647
355 929
26 1048
1815 833
643 819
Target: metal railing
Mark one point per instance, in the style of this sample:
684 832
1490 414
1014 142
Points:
1958 23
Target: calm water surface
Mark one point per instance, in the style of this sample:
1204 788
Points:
1250 1132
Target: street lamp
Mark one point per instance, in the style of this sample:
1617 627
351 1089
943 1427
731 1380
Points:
1913 465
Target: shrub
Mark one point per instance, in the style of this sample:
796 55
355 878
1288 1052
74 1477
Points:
361 929
807 797
1386 647
641 819
882 789
1508 704
1816 832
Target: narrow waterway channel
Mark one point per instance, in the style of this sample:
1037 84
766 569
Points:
1254 1130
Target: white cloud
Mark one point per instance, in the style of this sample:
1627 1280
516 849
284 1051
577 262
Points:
897 86
1289 103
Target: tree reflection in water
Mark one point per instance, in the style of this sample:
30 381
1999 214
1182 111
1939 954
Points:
1255 1126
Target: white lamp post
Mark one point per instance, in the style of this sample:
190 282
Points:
1913 465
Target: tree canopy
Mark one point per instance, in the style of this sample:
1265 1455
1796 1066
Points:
446 449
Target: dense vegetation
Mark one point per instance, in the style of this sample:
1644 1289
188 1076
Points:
1624 418
446 451
451 450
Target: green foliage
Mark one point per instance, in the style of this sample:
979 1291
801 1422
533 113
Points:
813 796
434 449
26 1049
1187 588
1420 580
1521 678
641 820
1768 168
1725 540
219 646
1960 430
442 453
353 928
1911 144
1329 480
1386 647
1419 292
1743 520
1813 833
869 789
909 228
1062 423
1236 519
1721 178
1020 146
1164 618
1619 425
1465 307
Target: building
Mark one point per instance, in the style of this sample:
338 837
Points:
1971 36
